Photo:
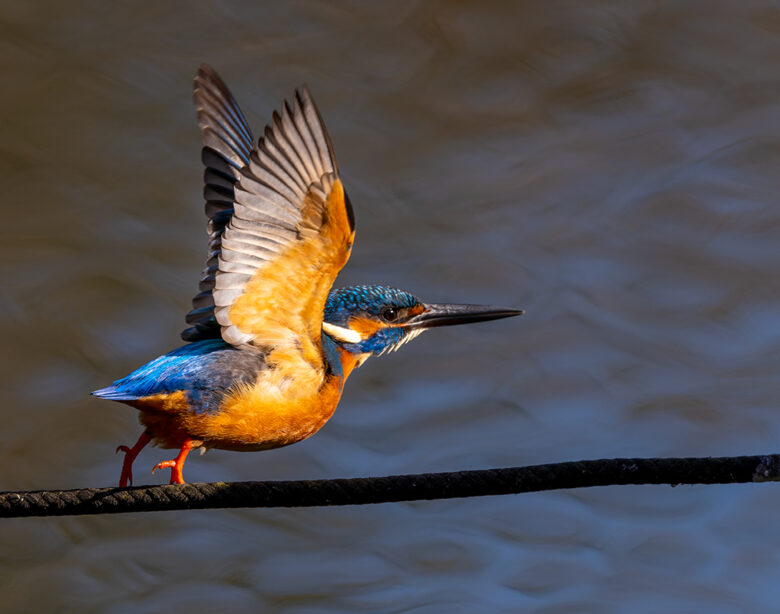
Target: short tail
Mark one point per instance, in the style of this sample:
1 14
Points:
112 393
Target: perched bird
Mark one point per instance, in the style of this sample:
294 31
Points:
270 344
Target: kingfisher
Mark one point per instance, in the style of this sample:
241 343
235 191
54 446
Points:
269 342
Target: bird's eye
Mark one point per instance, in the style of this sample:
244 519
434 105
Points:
390 314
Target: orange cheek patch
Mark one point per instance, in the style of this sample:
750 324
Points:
365 326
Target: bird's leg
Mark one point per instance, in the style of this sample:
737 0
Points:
130 454
177 463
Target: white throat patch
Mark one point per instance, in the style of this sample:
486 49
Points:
347 335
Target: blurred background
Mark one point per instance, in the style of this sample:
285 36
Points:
611 167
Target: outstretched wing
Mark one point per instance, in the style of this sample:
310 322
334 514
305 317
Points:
227 146
291 229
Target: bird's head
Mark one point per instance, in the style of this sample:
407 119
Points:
372 320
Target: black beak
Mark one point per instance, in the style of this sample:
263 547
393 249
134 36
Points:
436 314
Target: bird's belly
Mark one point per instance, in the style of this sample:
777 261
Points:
251 419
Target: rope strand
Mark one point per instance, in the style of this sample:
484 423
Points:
361 491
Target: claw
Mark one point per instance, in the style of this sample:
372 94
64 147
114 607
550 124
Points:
130 453
177 463
164 465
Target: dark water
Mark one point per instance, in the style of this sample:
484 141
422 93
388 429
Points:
609 166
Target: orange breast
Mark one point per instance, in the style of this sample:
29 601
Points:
349 361
282 407
252 419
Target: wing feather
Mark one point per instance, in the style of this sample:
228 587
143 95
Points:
280 225
227 147
276 150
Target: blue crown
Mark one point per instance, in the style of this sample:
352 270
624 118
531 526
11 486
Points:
371 300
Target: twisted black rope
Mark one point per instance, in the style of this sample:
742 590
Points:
359 491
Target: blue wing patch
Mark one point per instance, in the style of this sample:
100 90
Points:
205 370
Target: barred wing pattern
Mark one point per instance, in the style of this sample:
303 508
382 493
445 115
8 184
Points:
290 230
227 146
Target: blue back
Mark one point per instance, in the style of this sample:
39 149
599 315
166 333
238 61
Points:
204 369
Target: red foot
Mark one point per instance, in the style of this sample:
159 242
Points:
130 454
176 465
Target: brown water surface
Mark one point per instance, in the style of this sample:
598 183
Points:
611 167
